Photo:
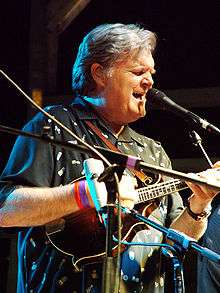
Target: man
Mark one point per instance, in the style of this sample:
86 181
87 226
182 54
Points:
208 275
112 73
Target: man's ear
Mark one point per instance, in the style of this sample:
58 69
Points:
98 74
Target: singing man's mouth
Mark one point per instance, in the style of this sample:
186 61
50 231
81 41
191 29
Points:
138 96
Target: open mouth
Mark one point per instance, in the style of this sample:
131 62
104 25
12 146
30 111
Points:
138 96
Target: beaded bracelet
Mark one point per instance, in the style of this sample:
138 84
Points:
81 194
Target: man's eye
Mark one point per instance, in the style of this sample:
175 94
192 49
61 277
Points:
138 73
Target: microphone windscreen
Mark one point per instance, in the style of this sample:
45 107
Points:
155 99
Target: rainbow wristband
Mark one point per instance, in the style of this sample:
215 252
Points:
83 194
80 193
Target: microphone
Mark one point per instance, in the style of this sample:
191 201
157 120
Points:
158 99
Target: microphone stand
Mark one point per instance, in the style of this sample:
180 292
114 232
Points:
197 141
136 163
177 270
108 177
111 180
181 242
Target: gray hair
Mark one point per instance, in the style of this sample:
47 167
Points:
105 45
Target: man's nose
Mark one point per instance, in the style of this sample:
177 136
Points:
147 81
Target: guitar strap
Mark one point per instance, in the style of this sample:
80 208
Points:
139 174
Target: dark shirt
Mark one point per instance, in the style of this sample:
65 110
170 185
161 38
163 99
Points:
41 267
208 274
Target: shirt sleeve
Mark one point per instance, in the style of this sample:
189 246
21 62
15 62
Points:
30 162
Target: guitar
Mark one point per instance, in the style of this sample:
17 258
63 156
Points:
82 235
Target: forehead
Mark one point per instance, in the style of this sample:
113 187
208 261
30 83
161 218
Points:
140 58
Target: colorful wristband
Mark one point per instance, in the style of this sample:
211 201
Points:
81 194
77 195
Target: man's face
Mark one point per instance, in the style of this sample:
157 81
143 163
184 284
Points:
125 89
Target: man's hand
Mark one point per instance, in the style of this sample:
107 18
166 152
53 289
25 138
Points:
127 192
203 195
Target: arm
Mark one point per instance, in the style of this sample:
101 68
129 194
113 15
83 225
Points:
31 190
186 224
34 206
198 202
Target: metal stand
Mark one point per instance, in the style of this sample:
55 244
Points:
178 278
136 163
197 141
108 265
181 242
111 176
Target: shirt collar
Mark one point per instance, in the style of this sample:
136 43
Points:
128 135
86 112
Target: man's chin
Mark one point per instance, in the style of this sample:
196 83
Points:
142 112
138 116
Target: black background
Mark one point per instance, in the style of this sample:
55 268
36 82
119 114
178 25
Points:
187 56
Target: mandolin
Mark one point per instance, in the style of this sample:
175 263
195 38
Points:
82 235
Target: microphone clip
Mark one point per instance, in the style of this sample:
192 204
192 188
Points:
108 174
